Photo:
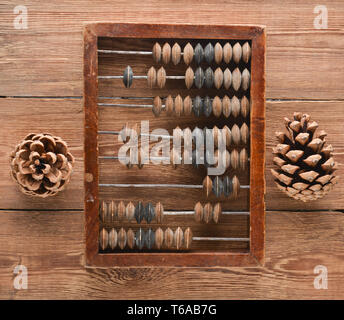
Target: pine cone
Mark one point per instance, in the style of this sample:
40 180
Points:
42 165
305 165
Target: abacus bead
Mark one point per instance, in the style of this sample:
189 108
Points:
199 53
236 187
218 53
128 76
227 186
243 159
209 77
140 238
178 238
245 81
139 212
237 52
228 135
176 53
169 105
244 106
207 106
236 134
198 212
199 78
130 211
151 77
187 105
168 238
122 238
217 212
149 238
157 105
244 133
208 212
227 79
217 186
227 52
166 53
225 158
246 52
236 79
235 106
215 132
103 239
149 212
112 211
121 211
235 159
113 239
218 78
103 211
187 238
157 52
159 211
209 53
131 239
217 106
226 106
207 185
189 77
198 106
188 54
161 78
159 238
178 105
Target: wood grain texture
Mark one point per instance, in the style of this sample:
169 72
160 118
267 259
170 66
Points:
51 246
55 33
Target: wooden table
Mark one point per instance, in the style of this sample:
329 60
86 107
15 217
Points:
41 90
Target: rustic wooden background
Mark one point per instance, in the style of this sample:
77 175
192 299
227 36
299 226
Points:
41 90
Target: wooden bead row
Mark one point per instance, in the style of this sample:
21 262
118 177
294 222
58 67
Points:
222 186
207 213
145 239
210 53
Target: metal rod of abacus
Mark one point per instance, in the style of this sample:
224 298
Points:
158 185
219 239
189 212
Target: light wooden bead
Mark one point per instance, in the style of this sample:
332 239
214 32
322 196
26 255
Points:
188 54
131 239
207 185
176 53
218 53
235 159
235 106
157 52
151 77
227 79
112 207
217 212
227 52
237 52
121 211
157 106
226 106
178 105
159 238
178 238
208 212
103 239
236 187
218 78
246 52
166 53
113 239
226 158
245 106
103 211
215 132
228 135
245 81
159 211
168 238
198 212
217 106
236 79
122 238
244 133
169 105
236 134
187 105
130 211
188 238
161 78
243 158
189 77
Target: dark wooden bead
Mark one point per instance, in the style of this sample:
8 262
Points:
157 52
131 239
236 186
157 105
198 106
209 78
159 211
227 186
198 212
128 77
178 238
149 212
217 212
199 53
103 211
207 212
207 185
199 78
209 53
139 212
149 238
140 238
207 106
103 239
187 238
217 186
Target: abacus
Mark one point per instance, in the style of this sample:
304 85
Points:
146 88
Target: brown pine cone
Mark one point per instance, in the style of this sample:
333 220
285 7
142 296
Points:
305 164
41 164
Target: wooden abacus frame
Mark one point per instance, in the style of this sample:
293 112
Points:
252 257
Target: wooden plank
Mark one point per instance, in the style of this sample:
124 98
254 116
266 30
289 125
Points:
298 56
51 246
